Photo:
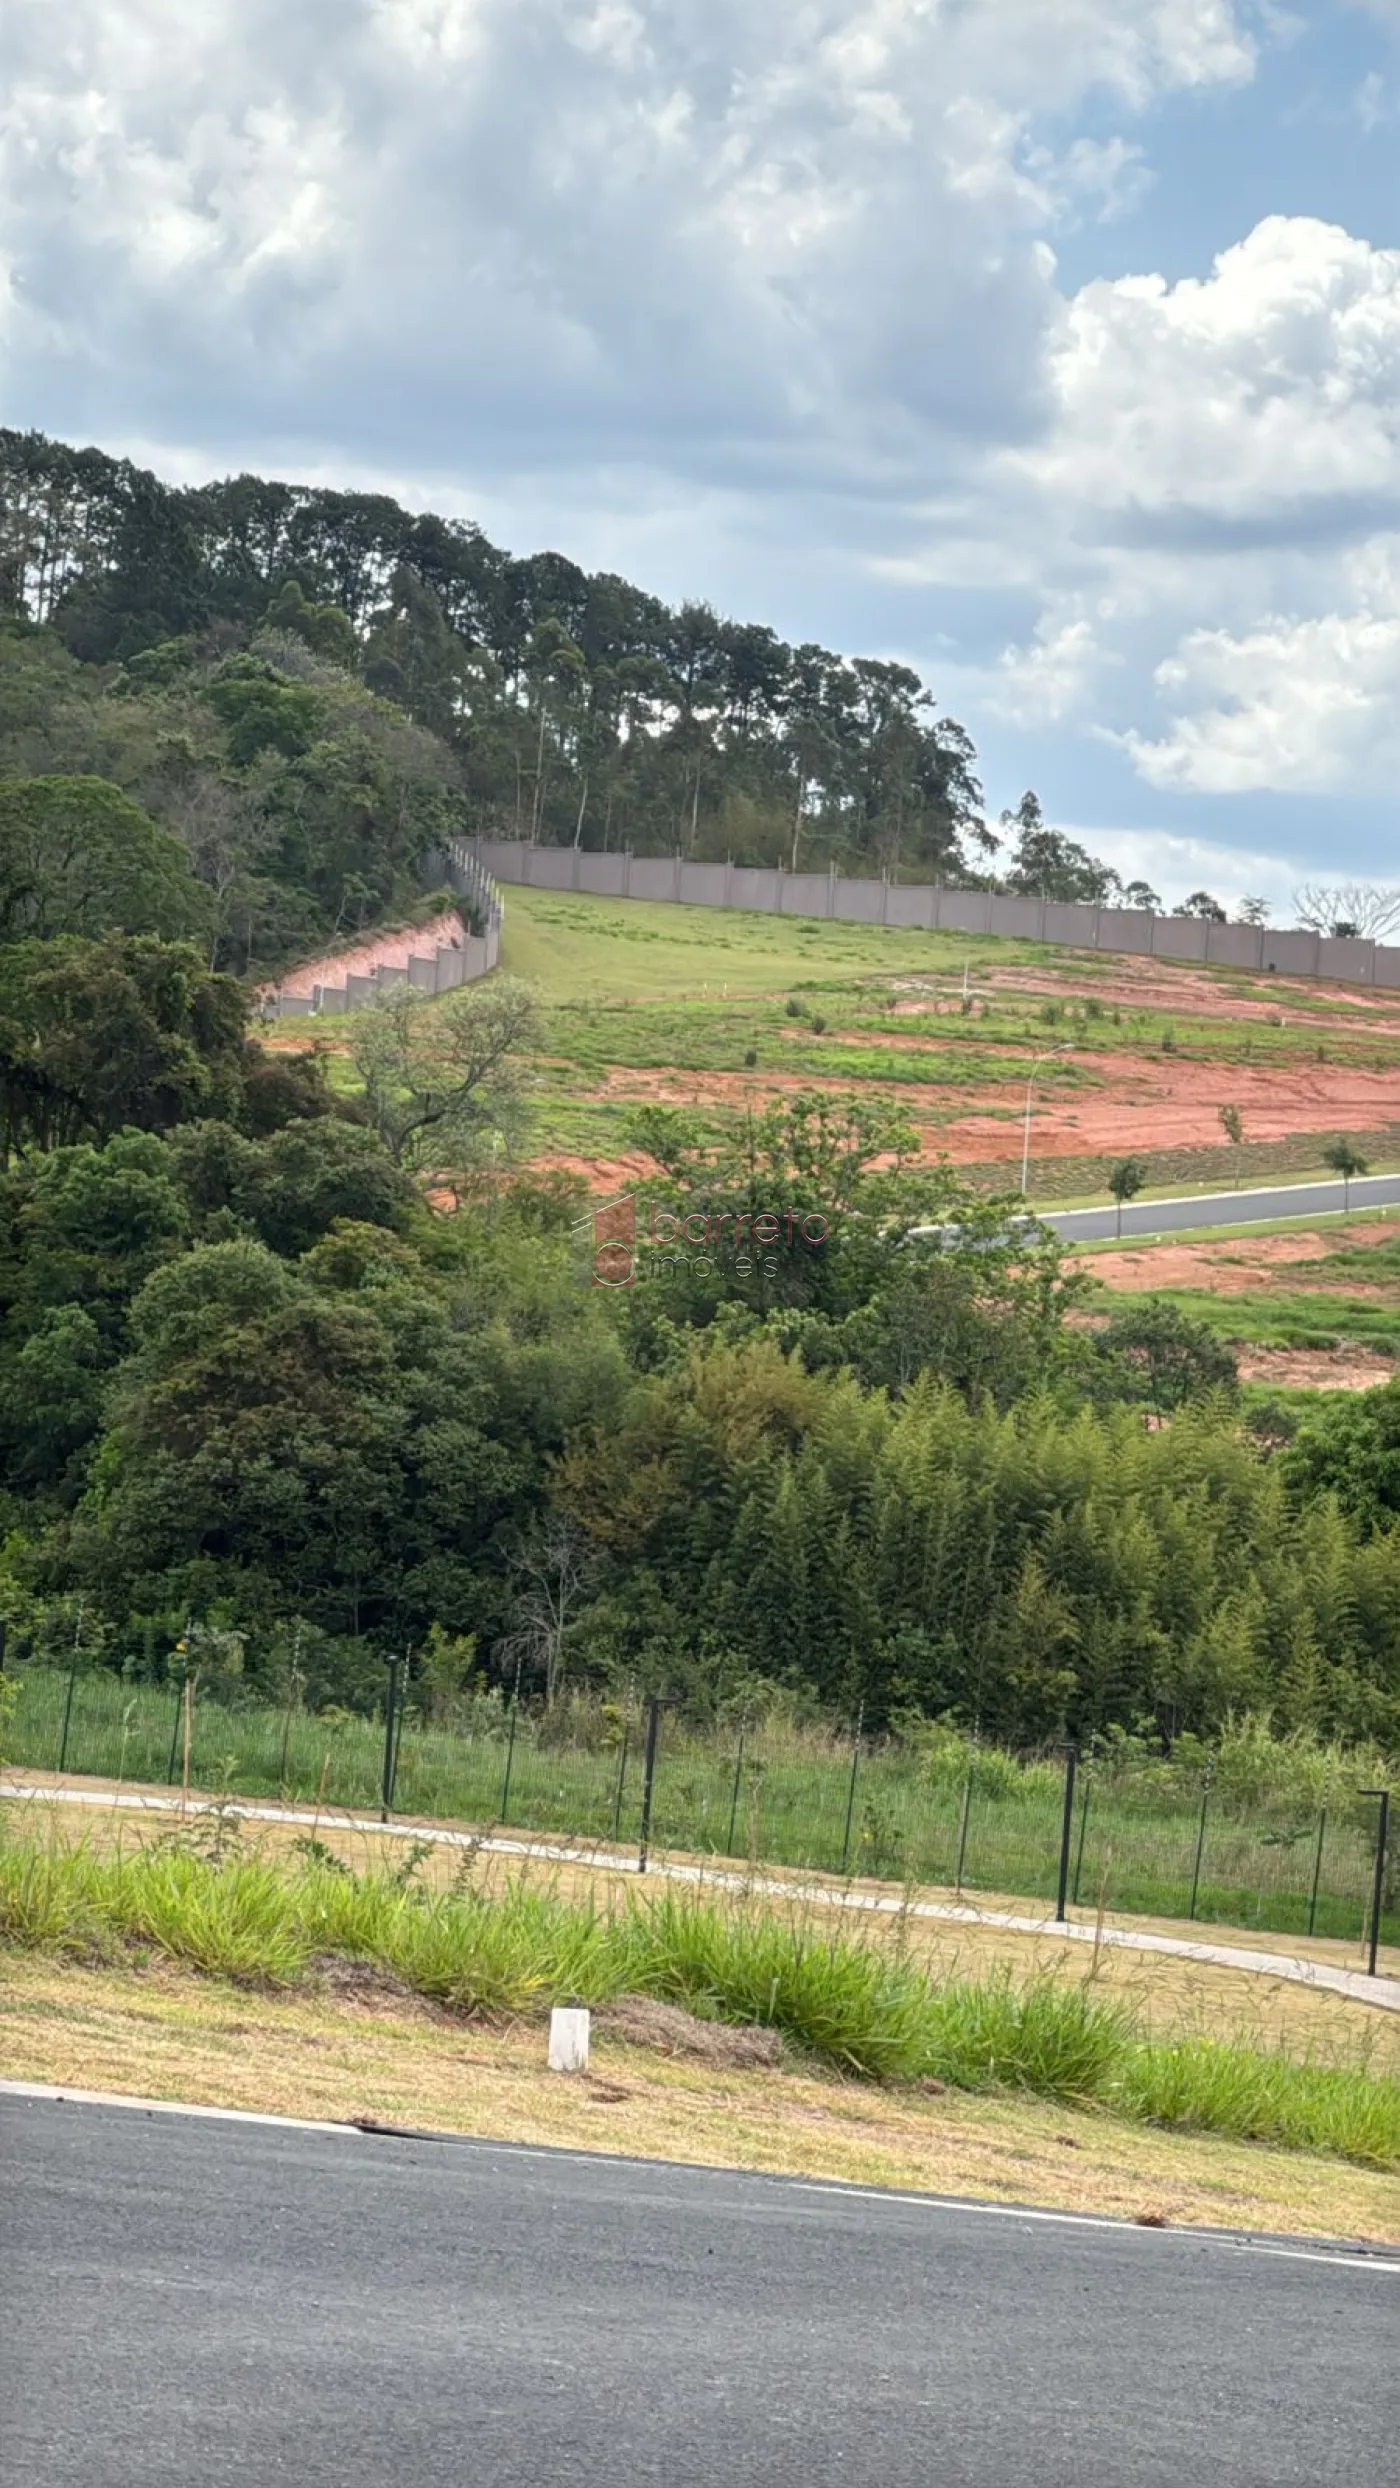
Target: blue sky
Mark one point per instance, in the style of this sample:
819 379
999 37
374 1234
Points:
1053 345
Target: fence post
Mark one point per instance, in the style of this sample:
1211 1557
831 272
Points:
510 1757
734 1800
1317 1871
390 1750
1200 1840
1066 1834
401 1713
175 1734
1083 1827
1378 1889
67 1713
292 1690
621 1784
851 1792
648 1780
962 1833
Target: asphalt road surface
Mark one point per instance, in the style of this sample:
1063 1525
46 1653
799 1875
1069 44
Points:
1223 1209
191 2302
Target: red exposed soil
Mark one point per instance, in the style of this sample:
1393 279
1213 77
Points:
1311 1369
392 949
1160 1102
1155 986
1233 1267
1141 1102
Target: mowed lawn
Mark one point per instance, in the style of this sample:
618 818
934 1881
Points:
625 950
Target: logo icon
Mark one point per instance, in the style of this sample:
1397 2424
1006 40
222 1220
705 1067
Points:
615 1242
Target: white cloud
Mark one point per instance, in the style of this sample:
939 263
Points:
1052 677
1273 382
694 228
638 273
1309 706
1175 866
1218 505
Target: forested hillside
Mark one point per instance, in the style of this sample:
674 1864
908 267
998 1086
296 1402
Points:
560 706
320 1372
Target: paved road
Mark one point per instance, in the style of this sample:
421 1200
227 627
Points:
1223 1209
198 2301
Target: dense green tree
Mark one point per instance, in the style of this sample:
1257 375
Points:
1349 1447
98 1035
1047 864
1156 1352
78 856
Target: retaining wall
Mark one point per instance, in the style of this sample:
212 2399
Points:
432 971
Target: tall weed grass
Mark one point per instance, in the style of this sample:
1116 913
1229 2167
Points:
851 2006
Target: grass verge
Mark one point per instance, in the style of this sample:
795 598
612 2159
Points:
163 2032
861 2010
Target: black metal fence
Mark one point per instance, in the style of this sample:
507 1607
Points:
983 1824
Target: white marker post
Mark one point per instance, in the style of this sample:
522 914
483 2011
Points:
568 2040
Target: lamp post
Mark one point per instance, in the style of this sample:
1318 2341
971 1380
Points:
1030 1090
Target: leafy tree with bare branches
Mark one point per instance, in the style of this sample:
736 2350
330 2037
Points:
1232 1125
444 1083
1347 910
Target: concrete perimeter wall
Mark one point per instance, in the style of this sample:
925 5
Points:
439 970
927 907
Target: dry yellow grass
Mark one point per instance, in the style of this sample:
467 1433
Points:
167 2034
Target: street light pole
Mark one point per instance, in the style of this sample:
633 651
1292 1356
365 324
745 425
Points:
1030 1089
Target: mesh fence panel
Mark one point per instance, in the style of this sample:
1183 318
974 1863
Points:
876 1814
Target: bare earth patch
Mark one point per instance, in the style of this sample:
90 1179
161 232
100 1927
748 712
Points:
644 2021
1315 1369
1237 1265
1138 1100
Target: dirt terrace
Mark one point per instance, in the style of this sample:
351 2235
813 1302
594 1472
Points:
1238 1265
1157 1101
392 949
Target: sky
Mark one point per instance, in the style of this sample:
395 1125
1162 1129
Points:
1051 346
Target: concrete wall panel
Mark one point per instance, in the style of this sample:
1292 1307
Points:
754 887
805 894
1291 954
1235 945
702 885
964 911
910 905
652 876
604 875
1124 928
1179 937
552 868
858 901
1350 962
1076 925
1020 918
